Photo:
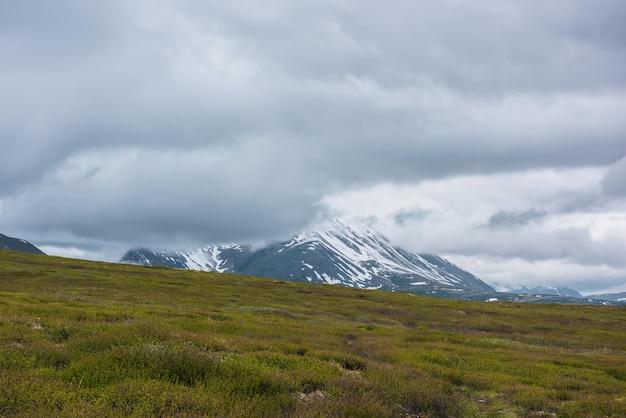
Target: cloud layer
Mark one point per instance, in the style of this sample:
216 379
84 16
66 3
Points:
175 123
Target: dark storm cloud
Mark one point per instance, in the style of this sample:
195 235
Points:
166 199
511 219
142 121
404 216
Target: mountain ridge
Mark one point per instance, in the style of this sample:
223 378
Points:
339 254
619 297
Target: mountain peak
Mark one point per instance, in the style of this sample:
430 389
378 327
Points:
340 226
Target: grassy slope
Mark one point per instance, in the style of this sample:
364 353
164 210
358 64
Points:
84 338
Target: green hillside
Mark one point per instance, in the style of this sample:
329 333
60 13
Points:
82 338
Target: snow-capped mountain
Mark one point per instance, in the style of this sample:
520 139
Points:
339 254
541 290
17 244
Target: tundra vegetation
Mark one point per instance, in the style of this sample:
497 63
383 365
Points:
97 339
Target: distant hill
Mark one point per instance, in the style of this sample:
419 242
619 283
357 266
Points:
16 244
542 290
615 297
341 254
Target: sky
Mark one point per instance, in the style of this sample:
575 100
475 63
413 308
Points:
490 132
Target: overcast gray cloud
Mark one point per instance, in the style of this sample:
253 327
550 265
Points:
404 216
173 123
512 219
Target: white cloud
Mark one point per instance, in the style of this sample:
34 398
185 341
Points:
588 243
556 272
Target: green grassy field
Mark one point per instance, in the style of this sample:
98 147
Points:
80 338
